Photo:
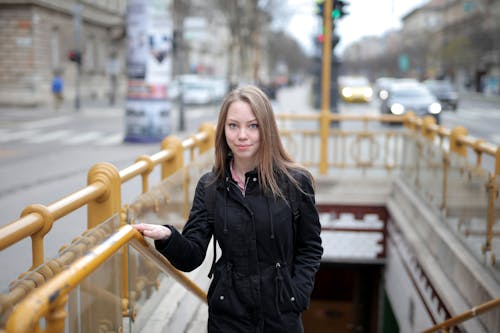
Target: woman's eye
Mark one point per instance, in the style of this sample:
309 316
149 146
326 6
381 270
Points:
254 125
231 125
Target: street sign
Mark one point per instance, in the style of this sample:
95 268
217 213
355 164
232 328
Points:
404 62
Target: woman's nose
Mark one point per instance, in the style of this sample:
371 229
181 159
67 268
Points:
242 134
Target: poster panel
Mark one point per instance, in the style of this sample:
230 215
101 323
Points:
149 70
147 120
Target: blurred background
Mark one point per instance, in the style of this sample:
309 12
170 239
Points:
272 43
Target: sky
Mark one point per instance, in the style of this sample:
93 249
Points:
366 18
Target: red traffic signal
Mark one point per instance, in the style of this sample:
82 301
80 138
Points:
75 56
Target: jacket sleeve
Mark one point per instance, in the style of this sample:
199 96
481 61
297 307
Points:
187 250
308 248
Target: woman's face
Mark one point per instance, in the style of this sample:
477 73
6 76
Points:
242 132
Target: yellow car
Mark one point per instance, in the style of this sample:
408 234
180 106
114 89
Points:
355 89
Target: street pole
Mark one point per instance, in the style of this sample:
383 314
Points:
77 86
325 85
180 55
77 22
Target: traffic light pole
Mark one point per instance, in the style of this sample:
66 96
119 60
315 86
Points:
180 58
325 85
77 86
77 22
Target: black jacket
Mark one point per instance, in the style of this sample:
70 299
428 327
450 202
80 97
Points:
265 275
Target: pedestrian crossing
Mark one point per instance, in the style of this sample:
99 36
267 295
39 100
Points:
41 135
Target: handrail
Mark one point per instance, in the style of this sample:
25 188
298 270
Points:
465 315
37 220
29 224
50 299
34 221
102 196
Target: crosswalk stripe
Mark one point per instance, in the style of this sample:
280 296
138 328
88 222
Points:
111 139
49 136
85 137
13 136
66 137
47 122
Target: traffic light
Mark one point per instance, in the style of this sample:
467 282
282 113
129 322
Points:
339 9
75 56
335 39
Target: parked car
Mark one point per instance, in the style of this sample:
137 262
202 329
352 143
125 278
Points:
355 89
196 90
408 96
220 87
445 93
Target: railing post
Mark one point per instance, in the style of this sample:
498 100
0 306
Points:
175 145
56 317
37 245
209 143
427 123
145 176
455 145
109 202
497 161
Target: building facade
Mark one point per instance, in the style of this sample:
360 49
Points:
37 36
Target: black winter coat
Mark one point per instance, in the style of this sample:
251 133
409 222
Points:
265 275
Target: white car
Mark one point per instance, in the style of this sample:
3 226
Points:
196 90
199 93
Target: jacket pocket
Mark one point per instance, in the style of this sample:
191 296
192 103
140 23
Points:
288 298
221 295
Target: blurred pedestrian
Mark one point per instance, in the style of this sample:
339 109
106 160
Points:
259 205
57 90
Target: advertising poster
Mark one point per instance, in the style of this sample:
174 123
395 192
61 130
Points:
149 70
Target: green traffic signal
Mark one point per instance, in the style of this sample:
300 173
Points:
339 9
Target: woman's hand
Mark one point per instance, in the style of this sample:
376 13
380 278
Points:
153 231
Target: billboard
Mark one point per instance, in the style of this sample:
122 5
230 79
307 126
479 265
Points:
149 70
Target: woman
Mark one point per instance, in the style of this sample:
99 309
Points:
265 275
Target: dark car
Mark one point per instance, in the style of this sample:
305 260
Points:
408 96
381 87
445 93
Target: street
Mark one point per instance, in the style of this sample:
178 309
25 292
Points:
44 158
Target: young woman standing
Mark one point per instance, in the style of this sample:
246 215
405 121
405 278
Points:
271 250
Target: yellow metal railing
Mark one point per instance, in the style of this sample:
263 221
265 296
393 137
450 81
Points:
49 301
475 311
434 149
102 196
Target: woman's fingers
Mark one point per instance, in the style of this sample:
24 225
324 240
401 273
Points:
153 231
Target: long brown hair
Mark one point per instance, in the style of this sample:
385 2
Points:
272 157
